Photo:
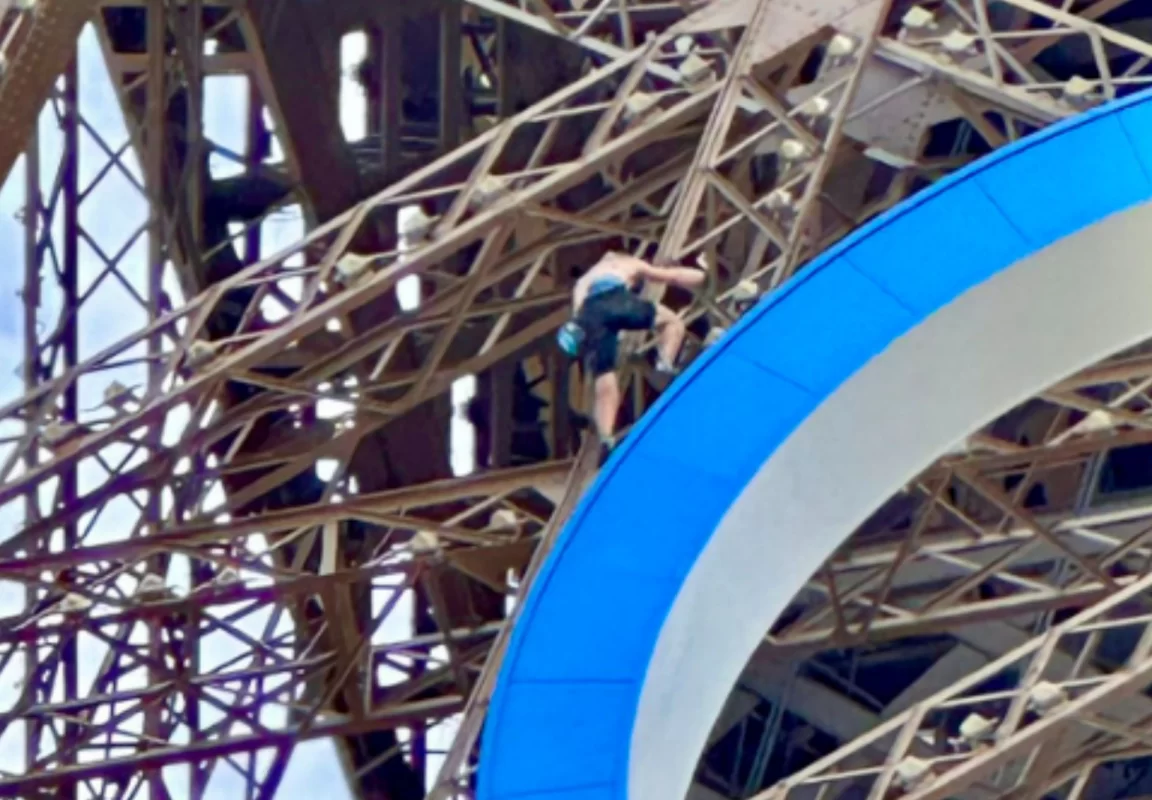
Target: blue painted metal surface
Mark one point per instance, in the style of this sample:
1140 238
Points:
561 720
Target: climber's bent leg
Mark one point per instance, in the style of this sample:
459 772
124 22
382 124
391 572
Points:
601 365
670 330
607 406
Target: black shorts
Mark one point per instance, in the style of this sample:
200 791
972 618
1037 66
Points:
603 316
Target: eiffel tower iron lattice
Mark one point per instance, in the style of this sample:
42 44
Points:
745 135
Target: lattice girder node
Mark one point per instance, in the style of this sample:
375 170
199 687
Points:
1081 92
958 44
1046 697
918 18
352 268
200 353
639 105
489 189
75 603
912 773
975 731
695 70
56 434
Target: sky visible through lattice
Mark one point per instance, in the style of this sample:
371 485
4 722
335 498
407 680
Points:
112 213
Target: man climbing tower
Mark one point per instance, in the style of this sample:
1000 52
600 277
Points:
605 302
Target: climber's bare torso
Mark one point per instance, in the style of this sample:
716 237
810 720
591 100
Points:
614 266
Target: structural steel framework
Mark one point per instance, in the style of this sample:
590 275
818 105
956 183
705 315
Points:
786 441
747 135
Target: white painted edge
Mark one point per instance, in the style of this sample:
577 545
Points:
1057 311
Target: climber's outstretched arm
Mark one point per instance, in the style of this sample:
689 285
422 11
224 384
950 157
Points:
684 277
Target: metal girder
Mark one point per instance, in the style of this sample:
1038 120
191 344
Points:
36 46
696 143
906 586
127 770
966 549
1031 723
455 773
235 359
248 692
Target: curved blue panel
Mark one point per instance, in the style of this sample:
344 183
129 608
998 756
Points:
561 720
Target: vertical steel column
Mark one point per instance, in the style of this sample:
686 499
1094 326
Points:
386 107
422 622
500 419
560 422
70 349
43 359
158 231
451 90
154 146
195 165
33 202
504 107
259 142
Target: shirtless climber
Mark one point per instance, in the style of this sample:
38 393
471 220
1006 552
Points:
605 303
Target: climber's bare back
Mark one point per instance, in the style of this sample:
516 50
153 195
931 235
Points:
623 267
